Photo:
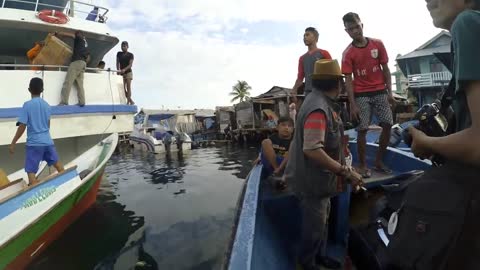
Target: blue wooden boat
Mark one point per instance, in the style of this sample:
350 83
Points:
267 224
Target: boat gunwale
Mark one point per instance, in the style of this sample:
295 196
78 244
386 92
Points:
252 189
28 188
236 219
85 180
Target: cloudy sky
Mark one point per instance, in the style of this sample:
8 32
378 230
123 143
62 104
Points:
189 53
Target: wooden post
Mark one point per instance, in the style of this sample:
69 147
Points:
261 115
253 115
72 8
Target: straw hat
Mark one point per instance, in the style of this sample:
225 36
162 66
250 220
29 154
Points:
326 69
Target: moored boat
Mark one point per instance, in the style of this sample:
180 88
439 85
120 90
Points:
32 217
151 128
74 129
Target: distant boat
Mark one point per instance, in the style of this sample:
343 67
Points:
33 217
267 222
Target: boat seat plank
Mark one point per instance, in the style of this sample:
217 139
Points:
11 184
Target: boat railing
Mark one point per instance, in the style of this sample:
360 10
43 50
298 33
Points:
48 68
73 7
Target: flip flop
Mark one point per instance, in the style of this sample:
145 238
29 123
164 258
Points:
366 173
383 169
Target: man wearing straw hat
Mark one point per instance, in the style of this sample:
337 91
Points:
316 169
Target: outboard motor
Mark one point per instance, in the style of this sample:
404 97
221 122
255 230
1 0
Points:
396 135
433 121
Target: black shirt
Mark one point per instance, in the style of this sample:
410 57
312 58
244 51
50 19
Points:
124 60
280 145
80 51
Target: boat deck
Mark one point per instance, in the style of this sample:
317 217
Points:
378 177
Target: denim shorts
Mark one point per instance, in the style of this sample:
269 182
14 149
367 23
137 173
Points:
36 154
266 165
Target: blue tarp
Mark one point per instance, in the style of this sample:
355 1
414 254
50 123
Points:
159 117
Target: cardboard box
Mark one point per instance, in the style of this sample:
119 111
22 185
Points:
55 52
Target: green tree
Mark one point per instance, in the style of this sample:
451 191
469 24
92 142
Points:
240 91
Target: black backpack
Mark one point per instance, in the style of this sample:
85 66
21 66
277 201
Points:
368 243
432 218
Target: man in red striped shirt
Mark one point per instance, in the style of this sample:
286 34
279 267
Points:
307 61
369 87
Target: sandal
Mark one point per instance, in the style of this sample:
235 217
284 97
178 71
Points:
383 170
366 173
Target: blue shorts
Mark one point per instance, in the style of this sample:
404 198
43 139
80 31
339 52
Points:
266 165
35 154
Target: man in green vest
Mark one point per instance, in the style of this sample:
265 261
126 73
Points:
316 170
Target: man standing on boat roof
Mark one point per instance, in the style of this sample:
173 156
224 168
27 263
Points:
438 226
76 69
35 118
369 87
124 65
316 168
307 62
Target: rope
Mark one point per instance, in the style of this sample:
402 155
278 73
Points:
103 136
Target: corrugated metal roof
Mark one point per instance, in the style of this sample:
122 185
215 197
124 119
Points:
225 108
197 112
426 52
275 91
442 33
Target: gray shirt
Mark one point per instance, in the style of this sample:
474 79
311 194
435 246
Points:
306 64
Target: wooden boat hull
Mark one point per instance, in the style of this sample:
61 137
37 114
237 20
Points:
21 249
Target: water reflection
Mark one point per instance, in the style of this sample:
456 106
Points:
157 212
237 159
134 251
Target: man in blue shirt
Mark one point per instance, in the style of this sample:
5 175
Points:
92 16
35 118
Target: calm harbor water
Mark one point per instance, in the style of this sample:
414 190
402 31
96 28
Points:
157 212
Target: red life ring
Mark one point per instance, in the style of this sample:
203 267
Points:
52 16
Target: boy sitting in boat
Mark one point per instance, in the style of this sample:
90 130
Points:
274 152
35 118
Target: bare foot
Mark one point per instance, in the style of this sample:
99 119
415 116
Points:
33 183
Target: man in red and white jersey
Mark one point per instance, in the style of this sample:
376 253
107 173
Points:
369 87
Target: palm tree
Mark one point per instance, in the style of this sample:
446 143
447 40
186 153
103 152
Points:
240 91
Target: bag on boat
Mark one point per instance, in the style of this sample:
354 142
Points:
431 219
367 246
394 196
368 243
